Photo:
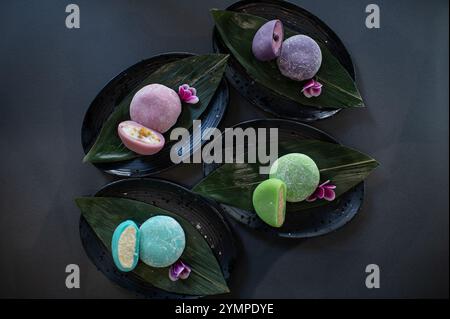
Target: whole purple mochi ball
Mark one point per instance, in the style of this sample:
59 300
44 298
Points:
155 106
300 58
267 41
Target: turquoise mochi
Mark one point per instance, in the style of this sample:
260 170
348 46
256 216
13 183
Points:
125 246
162 241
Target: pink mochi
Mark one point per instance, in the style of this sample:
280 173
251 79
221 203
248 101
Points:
139 139
156 106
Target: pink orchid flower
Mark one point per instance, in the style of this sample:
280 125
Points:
312 88
323 191
179 270
188 94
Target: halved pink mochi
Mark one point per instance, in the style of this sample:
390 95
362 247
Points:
139 138
267 41
156 106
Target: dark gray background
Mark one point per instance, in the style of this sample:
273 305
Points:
50 74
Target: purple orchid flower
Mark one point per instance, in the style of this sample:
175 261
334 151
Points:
323 191
312 88
179 270
188 94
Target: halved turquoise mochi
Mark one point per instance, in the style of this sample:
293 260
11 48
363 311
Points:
125 245
162 241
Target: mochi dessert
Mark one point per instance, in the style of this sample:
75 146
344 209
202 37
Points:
140 139
162 241
125 246
300 58
300 174
156 107
267 41
269 201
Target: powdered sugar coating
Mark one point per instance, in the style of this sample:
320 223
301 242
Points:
300 58
156 106
300 174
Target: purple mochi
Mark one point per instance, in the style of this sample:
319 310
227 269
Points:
267 41
300 58
155 106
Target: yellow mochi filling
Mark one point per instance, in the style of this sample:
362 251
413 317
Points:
126 247
143 134
280 206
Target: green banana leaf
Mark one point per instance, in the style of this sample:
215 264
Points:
204 72
237 31
233 184
104 214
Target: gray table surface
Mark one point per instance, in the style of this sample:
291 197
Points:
50 74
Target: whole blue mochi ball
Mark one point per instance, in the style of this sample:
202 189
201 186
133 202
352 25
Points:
162 241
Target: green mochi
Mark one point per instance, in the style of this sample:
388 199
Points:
269 201
300 174
162 241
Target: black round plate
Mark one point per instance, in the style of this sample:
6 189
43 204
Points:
116 90
309 223
299 20
203 214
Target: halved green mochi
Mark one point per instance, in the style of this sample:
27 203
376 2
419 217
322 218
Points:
125 246
162 241
300 174
269 201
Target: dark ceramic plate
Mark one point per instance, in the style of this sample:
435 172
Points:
203 214
299 20
308 223
106 101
